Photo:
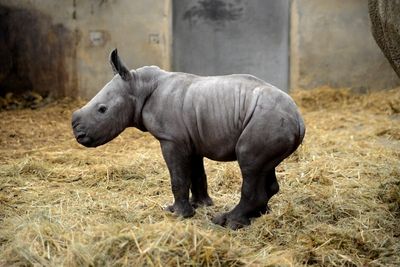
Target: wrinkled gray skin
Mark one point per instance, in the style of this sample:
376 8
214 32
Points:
224 118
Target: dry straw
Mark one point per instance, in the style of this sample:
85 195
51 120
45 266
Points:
65 205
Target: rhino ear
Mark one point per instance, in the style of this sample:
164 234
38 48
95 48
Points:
118 66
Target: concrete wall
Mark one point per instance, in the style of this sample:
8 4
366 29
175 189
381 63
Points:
61 47
215 37
332 45
89 29
37 48
140 30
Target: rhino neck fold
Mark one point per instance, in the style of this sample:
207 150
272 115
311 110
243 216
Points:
145 83
137 116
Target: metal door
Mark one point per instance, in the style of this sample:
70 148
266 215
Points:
214 37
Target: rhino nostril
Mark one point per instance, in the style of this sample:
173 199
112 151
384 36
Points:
80 135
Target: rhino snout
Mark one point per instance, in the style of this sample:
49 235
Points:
75 118
75 123
79 131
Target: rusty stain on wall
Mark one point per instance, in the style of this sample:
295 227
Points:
60 48
35 54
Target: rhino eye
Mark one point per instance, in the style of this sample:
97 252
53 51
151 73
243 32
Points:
102 109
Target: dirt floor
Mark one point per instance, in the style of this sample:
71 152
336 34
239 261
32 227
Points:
339 204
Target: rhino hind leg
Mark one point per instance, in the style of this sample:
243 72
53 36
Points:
198 187
255 194
253 201
271 188
257 158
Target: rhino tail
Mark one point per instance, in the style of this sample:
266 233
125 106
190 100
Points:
302 129
299 136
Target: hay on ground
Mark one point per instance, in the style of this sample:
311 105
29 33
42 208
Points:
339 204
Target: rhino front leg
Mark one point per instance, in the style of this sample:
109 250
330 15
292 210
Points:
179 166
198 187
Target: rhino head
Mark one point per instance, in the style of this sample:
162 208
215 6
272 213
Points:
109 112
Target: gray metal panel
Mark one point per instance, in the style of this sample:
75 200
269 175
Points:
213 37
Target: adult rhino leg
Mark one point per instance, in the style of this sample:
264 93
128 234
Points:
385 22
179 166
198 187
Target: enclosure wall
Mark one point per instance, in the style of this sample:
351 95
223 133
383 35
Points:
332 44
67 43
61 48
215 37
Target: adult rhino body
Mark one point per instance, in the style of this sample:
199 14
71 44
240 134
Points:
224 118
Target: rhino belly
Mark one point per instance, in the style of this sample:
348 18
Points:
216 147
214 138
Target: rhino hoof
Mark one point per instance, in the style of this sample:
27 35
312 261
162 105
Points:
232 222
200 202
185 212
220 219
259 212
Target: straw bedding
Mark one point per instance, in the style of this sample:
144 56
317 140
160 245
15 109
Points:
339 204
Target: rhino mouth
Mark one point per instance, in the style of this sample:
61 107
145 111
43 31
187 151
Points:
83 139
80 132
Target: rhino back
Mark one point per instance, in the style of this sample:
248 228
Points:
207 114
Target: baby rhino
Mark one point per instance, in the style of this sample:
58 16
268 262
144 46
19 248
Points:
224 118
